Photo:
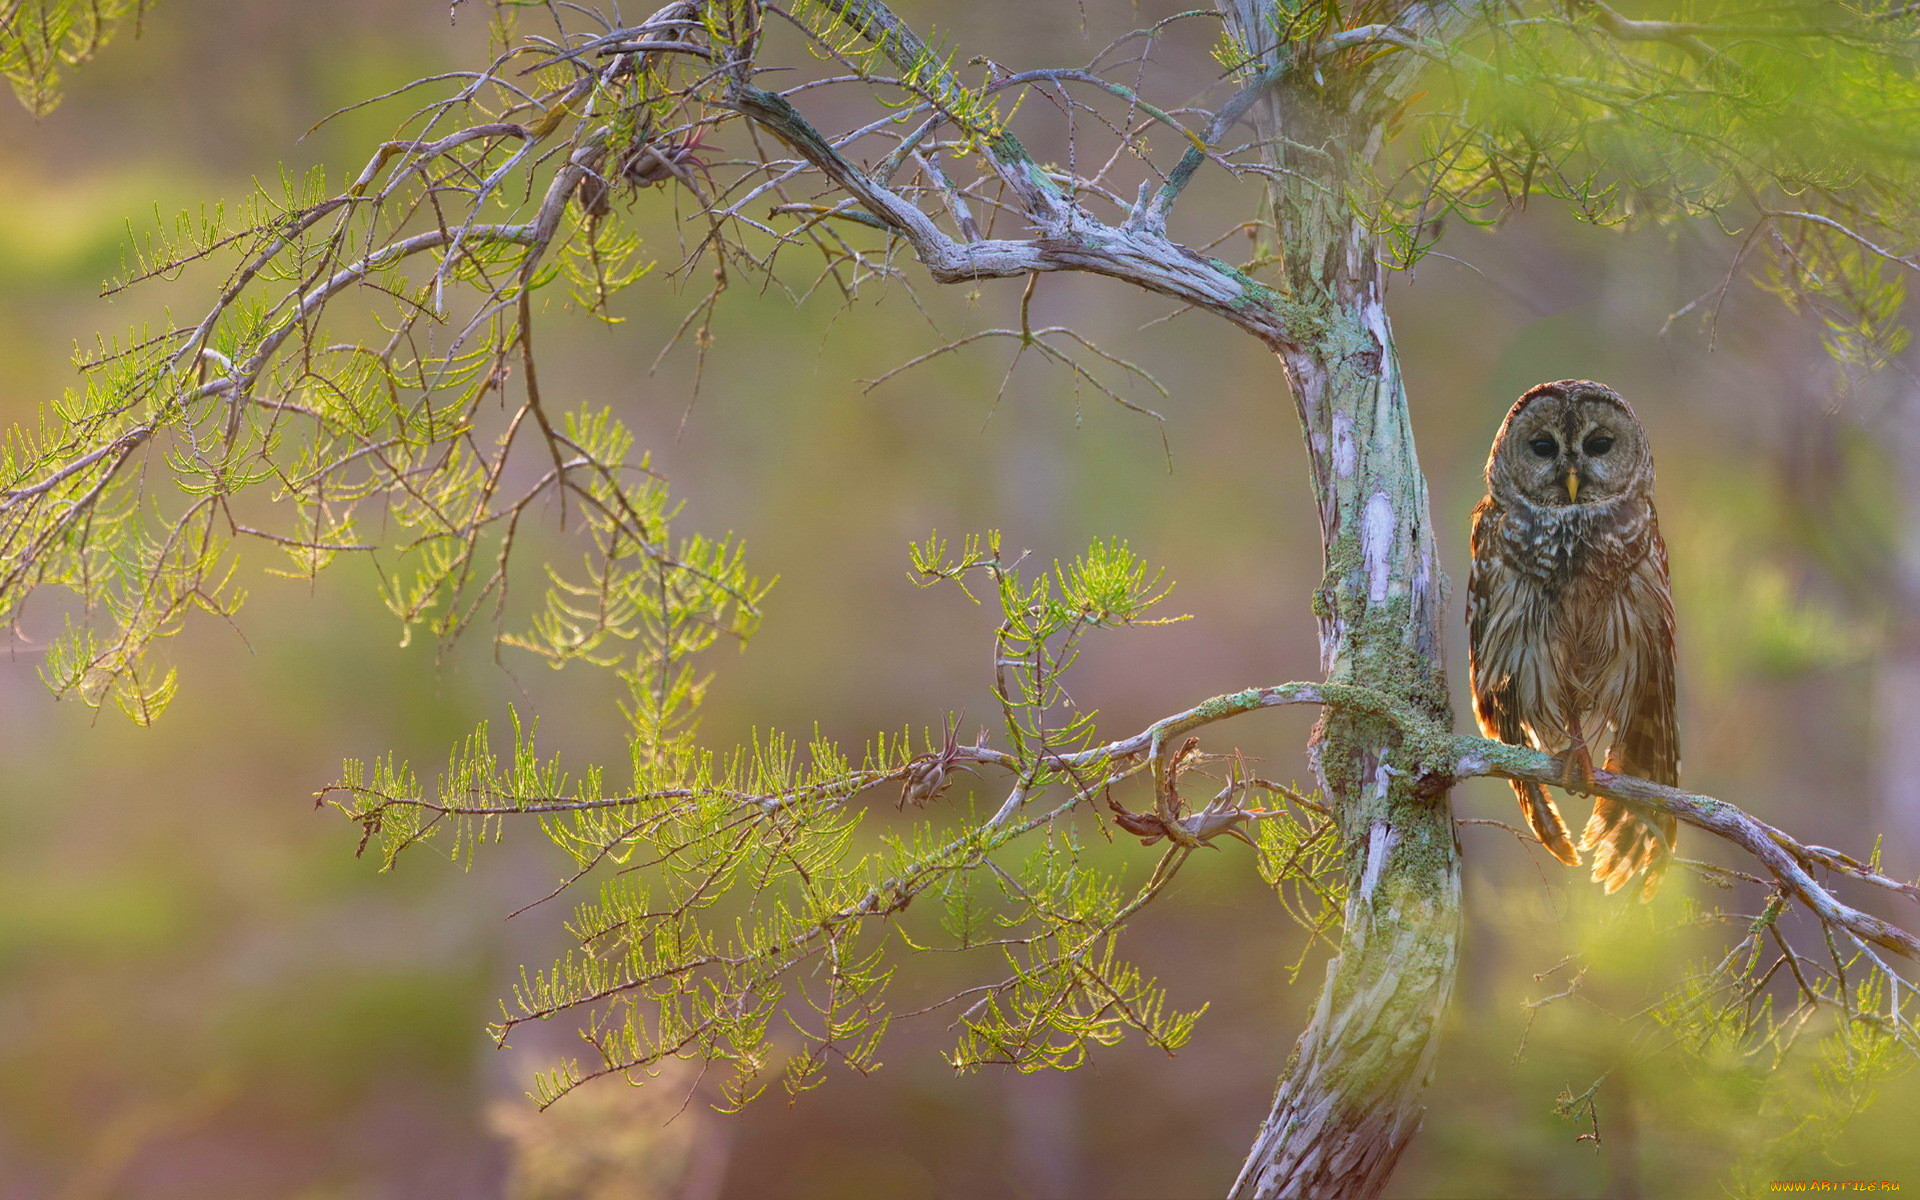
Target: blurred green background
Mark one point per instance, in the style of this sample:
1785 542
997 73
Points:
204 994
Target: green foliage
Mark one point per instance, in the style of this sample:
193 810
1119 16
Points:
1066 990
1787 125
1673 1039
1045 618
880 48
670 604
601 263
287 419
42 39
744 909
1807 1044
369 364
360 371
1301 860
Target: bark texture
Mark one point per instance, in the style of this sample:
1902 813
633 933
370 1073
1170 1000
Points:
1349 1101
1350 1098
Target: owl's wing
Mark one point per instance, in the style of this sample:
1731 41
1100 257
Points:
1646 742
1490 623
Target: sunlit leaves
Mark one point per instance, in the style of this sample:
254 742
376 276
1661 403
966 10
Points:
1856 294
244 427
1808 1039
1301 859
1789 126
1109 585
879 47
1044 618
602 262
40 40
1067 990
741 909
640 596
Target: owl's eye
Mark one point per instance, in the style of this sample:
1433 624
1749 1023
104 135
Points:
1596 446
1545 447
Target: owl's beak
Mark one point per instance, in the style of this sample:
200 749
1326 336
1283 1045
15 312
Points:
1573 485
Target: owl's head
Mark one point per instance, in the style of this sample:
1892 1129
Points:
1569 442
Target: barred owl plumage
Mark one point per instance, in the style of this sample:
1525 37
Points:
1569 618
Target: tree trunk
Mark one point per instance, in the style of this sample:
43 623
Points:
1349 1100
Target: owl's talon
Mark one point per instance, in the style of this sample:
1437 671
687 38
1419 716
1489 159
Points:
1576 774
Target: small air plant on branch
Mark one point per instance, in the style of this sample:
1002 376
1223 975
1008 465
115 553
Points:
930 775
647 163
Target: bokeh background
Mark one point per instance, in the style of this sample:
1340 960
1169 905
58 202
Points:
203 993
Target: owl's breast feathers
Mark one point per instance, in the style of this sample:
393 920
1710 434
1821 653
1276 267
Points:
1562 547
1555 607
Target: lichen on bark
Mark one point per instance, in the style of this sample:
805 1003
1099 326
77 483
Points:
1349 1100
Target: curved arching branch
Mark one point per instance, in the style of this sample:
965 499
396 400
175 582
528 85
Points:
1789 860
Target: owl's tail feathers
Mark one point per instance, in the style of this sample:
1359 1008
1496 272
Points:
1543 817
1625 842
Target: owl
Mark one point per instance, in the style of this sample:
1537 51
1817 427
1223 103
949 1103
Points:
1569 618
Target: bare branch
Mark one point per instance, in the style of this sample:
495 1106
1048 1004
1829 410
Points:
1786 858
